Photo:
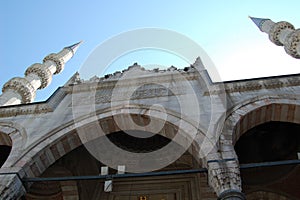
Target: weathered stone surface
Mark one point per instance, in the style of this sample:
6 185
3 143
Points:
42 133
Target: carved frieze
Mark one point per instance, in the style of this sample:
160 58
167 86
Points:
105 95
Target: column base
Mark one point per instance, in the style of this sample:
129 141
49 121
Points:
231 195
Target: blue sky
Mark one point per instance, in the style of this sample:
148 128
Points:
30 30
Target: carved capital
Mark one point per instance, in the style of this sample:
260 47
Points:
21 86
292 41
224 176
44 74
276 29
59 62
11 187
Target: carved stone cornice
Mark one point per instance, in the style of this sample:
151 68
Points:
144 77
257 84
10 111
34 108
145 72
21 86
42 72
58 60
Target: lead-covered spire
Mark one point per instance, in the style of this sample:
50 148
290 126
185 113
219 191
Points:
74 47
282 34
38 76
258 21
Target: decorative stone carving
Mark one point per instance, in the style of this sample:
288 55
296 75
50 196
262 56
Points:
292 41
44 74
272 83
11 187
224 176
22 86
59 62
276 30
117 75
26 110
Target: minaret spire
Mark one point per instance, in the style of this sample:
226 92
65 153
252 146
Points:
74 47
38 76
282 34
258 21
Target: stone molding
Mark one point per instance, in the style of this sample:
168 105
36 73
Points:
34 108
232 195
189 73
257 84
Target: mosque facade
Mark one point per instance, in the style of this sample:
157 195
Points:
141 134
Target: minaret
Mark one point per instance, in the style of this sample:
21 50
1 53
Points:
37 76
282 34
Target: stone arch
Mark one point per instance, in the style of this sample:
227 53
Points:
5 139
265 195
11 186
255 112
240 119
250 114
65 139
5 147
14 135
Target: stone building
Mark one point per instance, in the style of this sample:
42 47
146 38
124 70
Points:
174 132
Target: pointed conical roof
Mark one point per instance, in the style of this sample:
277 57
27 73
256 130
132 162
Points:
258 21
74 47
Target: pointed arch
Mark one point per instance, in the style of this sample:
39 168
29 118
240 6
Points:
64 139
